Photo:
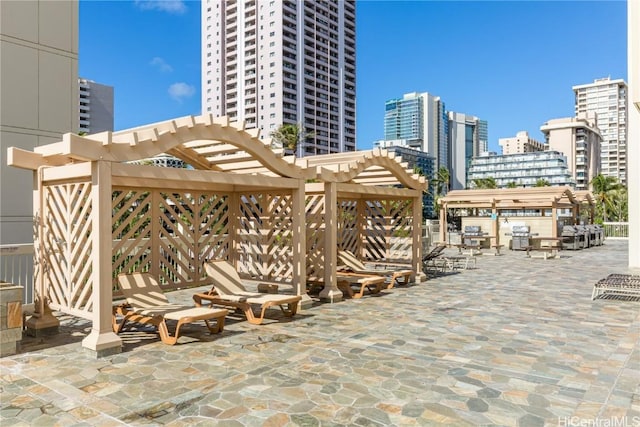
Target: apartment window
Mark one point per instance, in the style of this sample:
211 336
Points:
273 95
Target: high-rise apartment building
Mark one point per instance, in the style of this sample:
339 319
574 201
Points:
96 106
521 143
39 80
608 100
579 140
274 62
468 136
418 120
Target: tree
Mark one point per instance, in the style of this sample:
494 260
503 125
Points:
484 183
605 189
512 184
441 181
541 182
440 186
288 136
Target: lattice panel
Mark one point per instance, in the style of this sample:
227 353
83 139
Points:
214 235
65 253
131 232
388 234
348 225
266 233
314 216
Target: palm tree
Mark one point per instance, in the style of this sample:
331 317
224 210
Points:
288 136
604 188
484 183
441 181
512 184
541 182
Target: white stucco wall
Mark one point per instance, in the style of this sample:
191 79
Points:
39 80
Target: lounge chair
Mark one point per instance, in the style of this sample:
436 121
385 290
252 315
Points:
429 259
147 304
356 266
229 291
362 282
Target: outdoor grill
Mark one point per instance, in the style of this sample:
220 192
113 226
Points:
520 235
586 232
596 235
573 237
471 231
599 234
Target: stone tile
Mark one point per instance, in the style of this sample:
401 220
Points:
512 342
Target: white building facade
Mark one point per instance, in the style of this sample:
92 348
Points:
39 80
467 139
522 170
95 106
579 140
608 100
521 143
275 62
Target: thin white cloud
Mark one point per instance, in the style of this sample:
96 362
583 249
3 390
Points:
161 64
181 90
170 6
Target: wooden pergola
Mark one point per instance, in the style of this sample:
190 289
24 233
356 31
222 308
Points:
494 208
97 214
366 202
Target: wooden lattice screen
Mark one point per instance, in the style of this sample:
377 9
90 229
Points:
265 236
169 234
63 249
389 228
315 223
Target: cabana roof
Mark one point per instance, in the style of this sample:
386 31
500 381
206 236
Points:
511 198
216 144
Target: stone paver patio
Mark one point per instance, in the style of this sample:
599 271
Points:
513 342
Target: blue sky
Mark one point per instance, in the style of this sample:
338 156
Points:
512 63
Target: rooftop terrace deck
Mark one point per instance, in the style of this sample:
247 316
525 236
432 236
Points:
515 341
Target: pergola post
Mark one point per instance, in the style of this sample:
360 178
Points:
495 229
443 222
554 219
42 322
361 227
299 245
416 253
330 292
234 228
101 340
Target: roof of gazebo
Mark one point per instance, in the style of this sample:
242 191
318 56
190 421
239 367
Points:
216 144
511 198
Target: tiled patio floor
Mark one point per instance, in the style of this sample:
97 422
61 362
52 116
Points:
513 342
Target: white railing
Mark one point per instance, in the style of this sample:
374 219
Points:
16 267
616 230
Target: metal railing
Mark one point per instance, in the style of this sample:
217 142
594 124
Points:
16 267
616 230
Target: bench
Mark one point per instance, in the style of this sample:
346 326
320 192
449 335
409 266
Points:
547 251
473 249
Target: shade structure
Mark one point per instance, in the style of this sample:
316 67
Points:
496 202
366 202
98 213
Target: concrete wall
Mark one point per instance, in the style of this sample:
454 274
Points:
39 80
633 131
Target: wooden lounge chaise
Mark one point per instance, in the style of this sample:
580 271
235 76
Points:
229 291
347 281
147 304
356 266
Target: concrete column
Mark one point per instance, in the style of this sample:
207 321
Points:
633 131
101 341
